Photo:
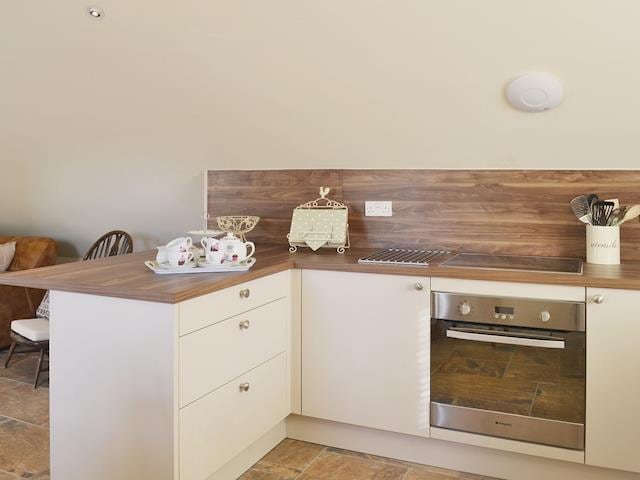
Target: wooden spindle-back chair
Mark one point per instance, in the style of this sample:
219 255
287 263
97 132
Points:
110 244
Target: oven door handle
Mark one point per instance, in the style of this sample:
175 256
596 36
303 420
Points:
463 334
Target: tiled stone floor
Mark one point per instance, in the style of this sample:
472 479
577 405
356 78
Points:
24 443
24 420
297 460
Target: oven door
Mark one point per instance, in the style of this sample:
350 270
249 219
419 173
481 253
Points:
510 382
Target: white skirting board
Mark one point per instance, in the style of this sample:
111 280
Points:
444 454
258 449
504 444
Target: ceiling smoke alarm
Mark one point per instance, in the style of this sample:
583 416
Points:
535 92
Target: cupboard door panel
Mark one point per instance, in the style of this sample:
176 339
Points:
613 379
365 350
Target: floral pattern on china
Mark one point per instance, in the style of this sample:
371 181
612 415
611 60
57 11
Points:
225 255
173 251
210 244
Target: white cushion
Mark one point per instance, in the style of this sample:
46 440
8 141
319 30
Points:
7 251
35 329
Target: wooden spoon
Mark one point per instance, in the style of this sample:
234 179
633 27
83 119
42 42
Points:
632 212
617 215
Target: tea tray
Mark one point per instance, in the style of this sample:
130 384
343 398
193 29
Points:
162 269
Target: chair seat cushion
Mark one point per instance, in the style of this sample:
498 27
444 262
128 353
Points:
35 329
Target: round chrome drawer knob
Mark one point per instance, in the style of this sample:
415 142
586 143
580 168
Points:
244 324
419 286
244 293
465 308
545 316
244 387
598 299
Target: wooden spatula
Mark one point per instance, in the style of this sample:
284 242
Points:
632 212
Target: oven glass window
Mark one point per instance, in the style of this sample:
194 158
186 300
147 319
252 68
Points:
547 383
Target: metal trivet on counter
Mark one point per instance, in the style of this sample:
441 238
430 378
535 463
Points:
403 256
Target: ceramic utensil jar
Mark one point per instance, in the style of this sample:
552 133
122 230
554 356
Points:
603 245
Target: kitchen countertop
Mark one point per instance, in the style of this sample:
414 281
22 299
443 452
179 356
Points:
127 276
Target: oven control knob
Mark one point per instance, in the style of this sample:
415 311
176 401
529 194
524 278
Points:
545 316
465 308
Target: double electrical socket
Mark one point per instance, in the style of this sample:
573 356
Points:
378 209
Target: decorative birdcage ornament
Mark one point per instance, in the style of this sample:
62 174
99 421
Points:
238 225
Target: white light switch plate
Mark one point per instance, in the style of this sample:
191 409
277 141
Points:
378 209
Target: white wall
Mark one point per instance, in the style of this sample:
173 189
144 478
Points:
109 123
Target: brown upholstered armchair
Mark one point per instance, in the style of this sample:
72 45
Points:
20 302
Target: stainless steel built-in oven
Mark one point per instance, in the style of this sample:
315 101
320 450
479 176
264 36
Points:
509 367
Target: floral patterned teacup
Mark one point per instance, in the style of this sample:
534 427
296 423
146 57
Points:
182 244
177 258
210 244
214 258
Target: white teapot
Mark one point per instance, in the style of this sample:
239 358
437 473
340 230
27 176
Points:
234 249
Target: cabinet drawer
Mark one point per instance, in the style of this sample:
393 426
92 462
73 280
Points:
219 426
214 355
209 309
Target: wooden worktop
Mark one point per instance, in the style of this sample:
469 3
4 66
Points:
127 277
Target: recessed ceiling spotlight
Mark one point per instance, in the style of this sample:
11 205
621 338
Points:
95 12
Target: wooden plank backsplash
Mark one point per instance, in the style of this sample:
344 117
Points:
519 212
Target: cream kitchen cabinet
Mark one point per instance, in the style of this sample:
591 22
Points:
202 389
193 384
613 381
365 349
